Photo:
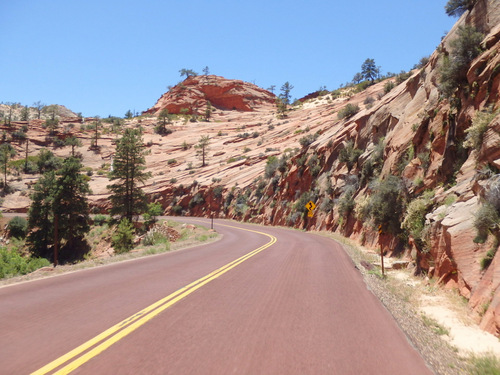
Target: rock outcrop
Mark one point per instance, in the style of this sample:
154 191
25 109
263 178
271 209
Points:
194 92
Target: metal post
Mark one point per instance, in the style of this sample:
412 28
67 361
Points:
382 260
212 227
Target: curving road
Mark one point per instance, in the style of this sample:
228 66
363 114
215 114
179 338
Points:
292 303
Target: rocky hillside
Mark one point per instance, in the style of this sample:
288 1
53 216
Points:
407 164
196 92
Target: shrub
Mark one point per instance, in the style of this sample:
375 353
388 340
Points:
349 155
486 220
272 165
475 132
453 68
154 237
122 239
307 140
414 220
12 263
197 199
17 227
389 85
346 201
100 219
386 204
348 111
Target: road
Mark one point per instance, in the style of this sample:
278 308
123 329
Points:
294 305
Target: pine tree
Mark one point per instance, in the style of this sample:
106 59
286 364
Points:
41 217
58 217
369 70
71 205
6 153
285 92
127 198
202 145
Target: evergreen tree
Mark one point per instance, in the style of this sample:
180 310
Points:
208 111
127 199
369 70
58 217
71 205
7 152
285 92
40 216
188 73
202 145
458 7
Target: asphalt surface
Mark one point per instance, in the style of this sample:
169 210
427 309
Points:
297 305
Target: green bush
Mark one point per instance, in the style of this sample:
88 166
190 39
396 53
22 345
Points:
480 123
100 219
389 85
414 220
348 111
17 227
487 364
386 204
12 263
122 239
308 139
153 237
453 67
349 155
486 220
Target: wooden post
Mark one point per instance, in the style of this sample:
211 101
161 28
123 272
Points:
212 226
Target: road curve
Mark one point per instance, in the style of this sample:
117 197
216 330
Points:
298 306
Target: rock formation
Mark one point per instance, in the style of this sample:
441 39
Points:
194 92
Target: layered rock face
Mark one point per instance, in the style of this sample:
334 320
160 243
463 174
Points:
194 92
263 169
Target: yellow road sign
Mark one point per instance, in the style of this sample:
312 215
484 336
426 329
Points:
310 206
310 214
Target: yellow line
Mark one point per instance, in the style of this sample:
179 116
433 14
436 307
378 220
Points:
126 326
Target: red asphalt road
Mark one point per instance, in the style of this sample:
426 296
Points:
297 307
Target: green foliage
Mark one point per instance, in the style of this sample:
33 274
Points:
349 154
480 123
150 216
307 140
414 220
17 227
127 198
487 219
100 220
456 8
285 93
388 86
122 239
203 147
47 161
154 237
197 199
369 70
453 68
487 364
348 111
272 164
187 73
386 204
12 263
346 202
6 153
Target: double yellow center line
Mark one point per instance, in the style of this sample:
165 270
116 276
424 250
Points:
101 342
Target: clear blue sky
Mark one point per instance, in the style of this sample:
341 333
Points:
103 57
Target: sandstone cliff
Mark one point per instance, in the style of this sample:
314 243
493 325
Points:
263 167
